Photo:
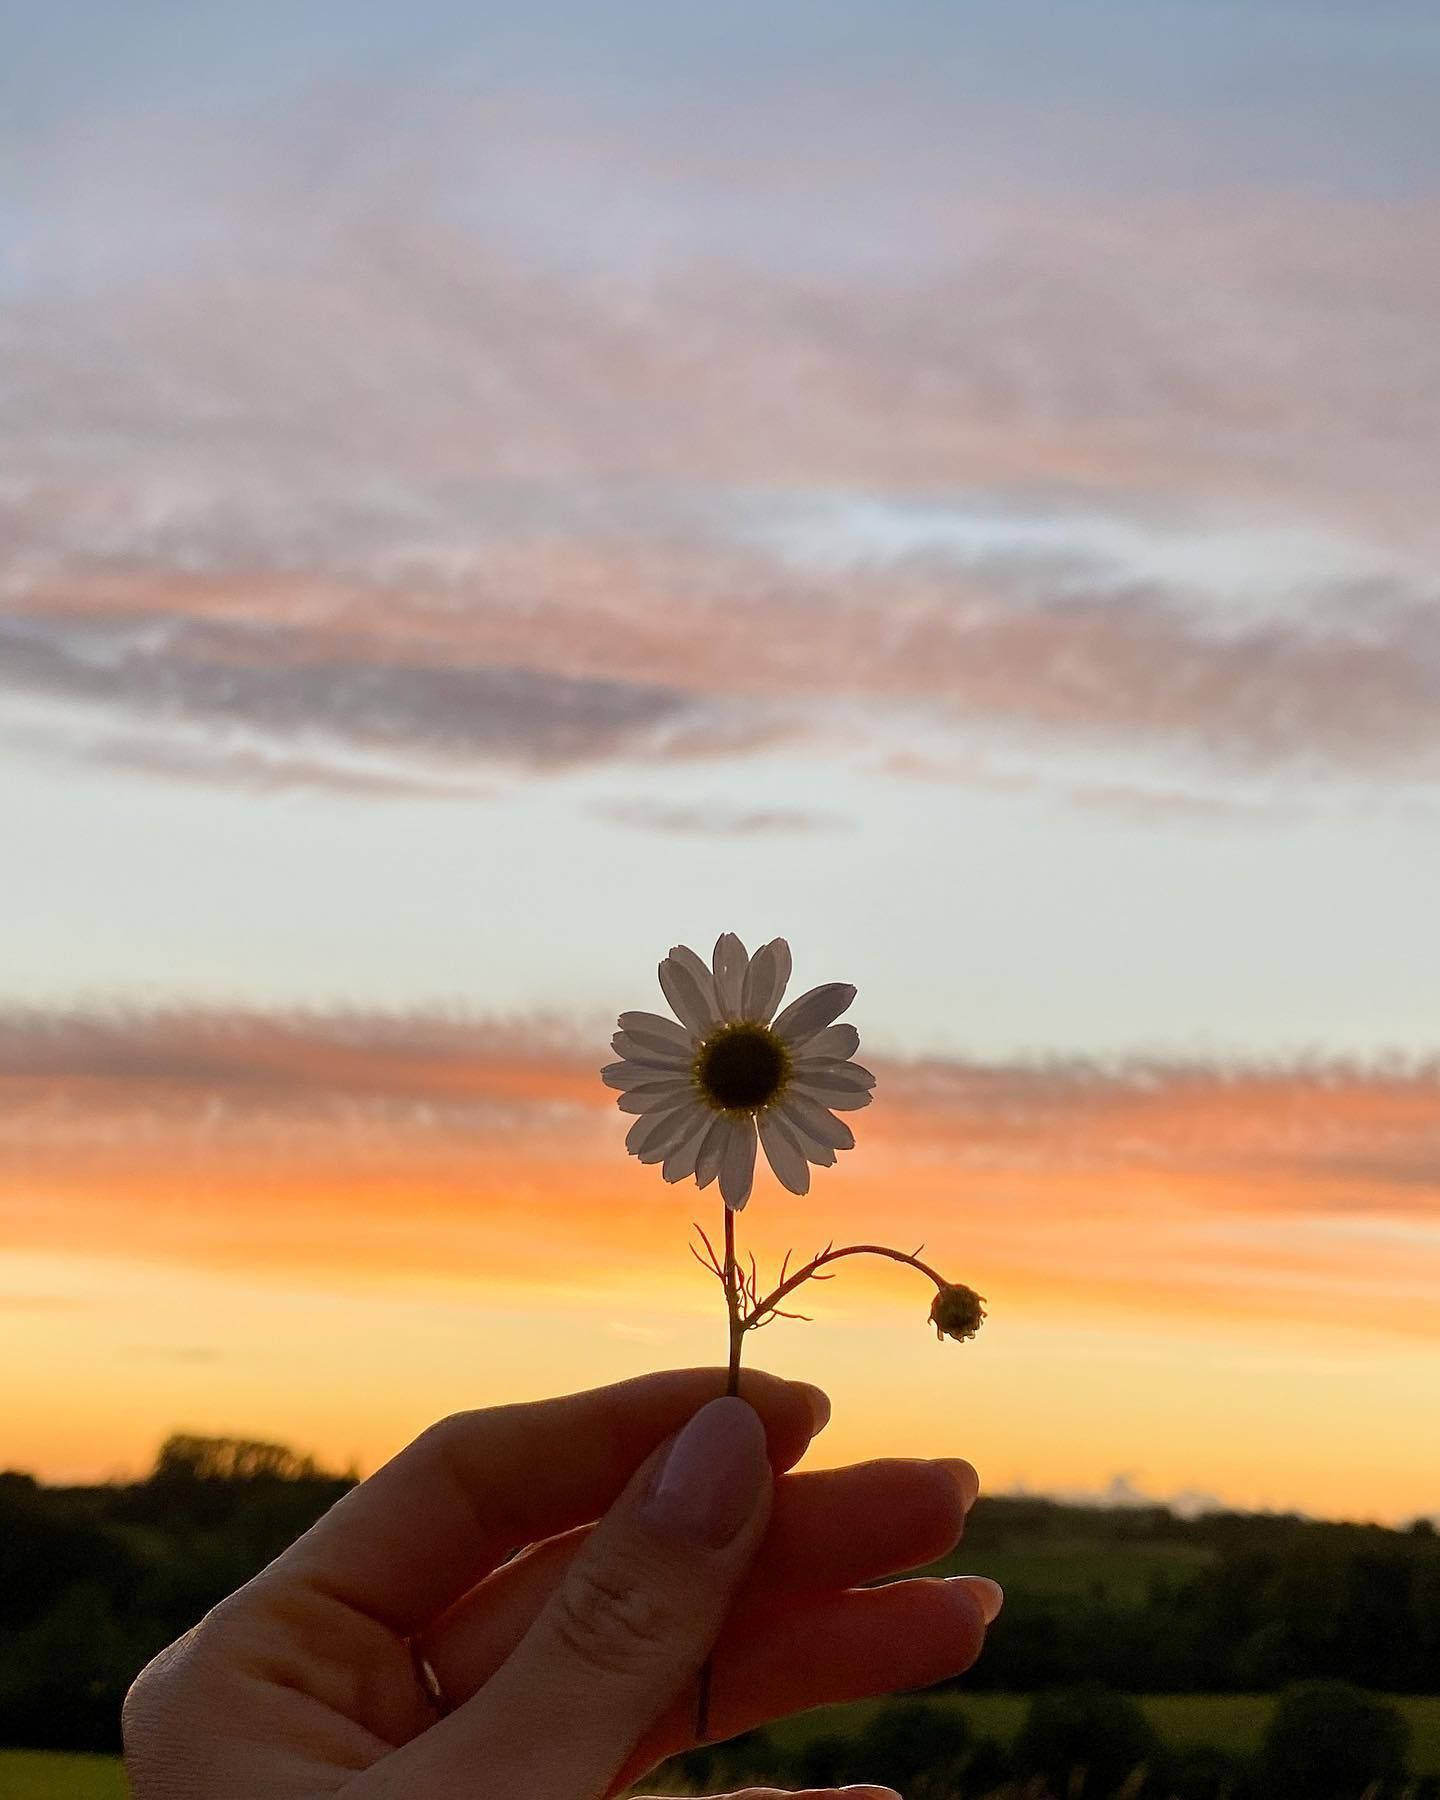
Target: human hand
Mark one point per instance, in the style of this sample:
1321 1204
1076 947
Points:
565 1671
845 1793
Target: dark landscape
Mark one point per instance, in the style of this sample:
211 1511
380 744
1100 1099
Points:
1276 1655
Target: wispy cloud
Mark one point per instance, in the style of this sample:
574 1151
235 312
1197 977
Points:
417 1146
1142 803
367 472
716 820
251 769
286 680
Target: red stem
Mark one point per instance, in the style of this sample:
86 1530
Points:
732 1301
732 1386
771 1301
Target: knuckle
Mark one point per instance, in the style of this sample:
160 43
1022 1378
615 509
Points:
158 1696
444 1440
612 1620
173 1696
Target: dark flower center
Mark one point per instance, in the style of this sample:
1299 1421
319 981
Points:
742 1067
957 1311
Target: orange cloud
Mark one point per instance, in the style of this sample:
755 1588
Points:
388 1150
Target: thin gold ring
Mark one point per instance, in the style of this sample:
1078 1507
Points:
429 1681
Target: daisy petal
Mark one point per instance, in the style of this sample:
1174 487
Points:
834 1077
660 1096
834 1044
851 1102
636 1072
656 1025
618 1075
815 1124
737 1166
806 1017
692 1004
765 981
699 968
732 960
648 1081
670 1136
681 1160
712 1151
783 1152
641 1047
649 1126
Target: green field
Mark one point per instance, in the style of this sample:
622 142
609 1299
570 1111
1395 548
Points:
33 1775
1230 1722
1227 1721
1077 1568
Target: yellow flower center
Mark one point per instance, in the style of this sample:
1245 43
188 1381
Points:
740 1068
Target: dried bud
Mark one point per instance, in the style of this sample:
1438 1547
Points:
956 1311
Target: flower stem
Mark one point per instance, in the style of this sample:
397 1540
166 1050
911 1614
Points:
732 1386
757 1313
732 1301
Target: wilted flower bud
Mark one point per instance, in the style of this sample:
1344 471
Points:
956 1311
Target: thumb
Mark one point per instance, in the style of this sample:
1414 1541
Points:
627 1628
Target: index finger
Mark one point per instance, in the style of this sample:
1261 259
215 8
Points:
437 1518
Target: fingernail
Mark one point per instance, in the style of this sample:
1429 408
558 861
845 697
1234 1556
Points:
819 1403
712 1476
988 1595
964 1477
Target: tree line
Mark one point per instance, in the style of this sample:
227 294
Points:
95 1580
1231 1602
1326 1740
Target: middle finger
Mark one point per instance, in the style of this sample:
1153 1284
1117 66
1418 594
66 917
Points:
830 1529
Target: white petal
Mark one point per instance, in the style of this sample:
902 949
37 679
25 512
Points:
712 1151
656 1025
650 1081
698 967
806 1017
636 1072
815 1124
682 1123
783 1152
652 1126
737 1167
731 963
618 1075
693 1005
641 1047
834 1044
681 1160
765 980
851 1102
656 1096
834 1077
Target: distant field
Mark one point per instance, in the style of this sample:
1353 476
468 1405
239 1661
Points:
34 1775
1226 1721
1231 1722
1079 1567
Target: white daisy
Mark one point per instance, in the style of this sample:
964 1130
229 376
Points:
732 1067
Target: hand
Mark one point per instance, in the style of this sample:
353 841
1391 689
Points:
847 1793
565 1672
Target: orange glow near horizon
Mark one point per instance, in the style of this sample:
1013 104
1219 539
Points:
1202 1282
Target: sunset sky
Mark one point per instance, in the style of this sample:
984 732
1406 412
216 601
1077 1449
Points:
487 494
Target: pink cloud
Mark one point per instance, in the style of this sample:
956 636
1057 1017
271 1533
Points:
363 466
